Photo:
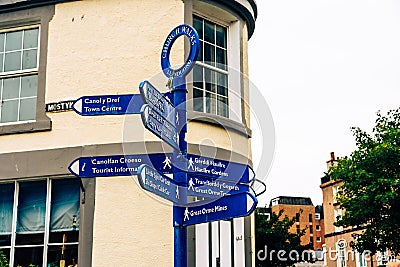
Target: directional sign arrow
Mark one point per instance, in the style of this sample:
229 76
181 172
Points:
224 208
119 165
202 187
159 184
108 105
158 125
158 102
219 169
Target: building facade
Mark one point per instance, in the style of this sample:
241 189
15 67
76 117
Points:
307 216
338 250
52 53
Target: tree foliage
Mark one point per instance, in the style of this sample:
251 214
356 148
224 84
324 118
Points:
370 193
273 236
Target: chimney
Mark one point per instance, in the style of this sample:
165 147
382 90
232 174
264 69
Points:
332 155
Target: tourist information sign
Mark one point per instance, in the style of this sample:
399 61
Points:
119 165
224 208
159 184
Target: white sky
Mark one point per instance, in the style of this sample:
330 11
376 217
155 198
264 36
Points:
323 67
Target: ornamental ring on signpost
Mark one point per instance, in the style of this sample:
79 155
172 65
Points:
193 37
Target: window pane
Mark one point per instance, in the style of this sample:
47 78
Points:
5 240
28 257
222 106
29 59
210 103
29 239
221 59
29 86
31 38
200 55
31 207
221 36
198 76
209 32
6 208
12 61
13 40
56 254
198 25
11 88
209 77
209 54
198 100
67 236
1 62
2 42
64 205
9 111
27 109
222 84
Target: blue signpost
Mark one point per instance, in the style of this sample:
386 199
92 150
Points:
219 169
224 183
119 165
159 103
161 185
202 187
108 105
224 208
157 124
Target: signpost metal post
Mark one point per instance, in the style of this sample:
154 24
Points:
179 92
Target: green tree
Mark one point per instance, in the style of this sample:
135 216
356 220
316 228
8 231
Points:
3 260
276 246
370 194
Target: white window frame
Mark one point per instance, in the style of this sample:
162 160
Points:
46 242
319 239
318 228
233 71
317 216
22 72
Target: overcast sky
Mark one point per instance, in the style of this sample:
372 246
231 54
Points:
323 66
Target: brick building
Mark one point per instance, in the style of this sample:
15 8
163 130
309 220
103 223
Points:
307 216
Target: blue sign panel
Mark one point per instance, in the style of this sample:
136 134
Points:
119 165
225 208
156 123
219 169
108 105
158 102
161 185
207 188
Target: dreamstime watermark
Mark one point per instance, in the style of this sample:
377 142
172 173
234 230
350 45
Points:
312 255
